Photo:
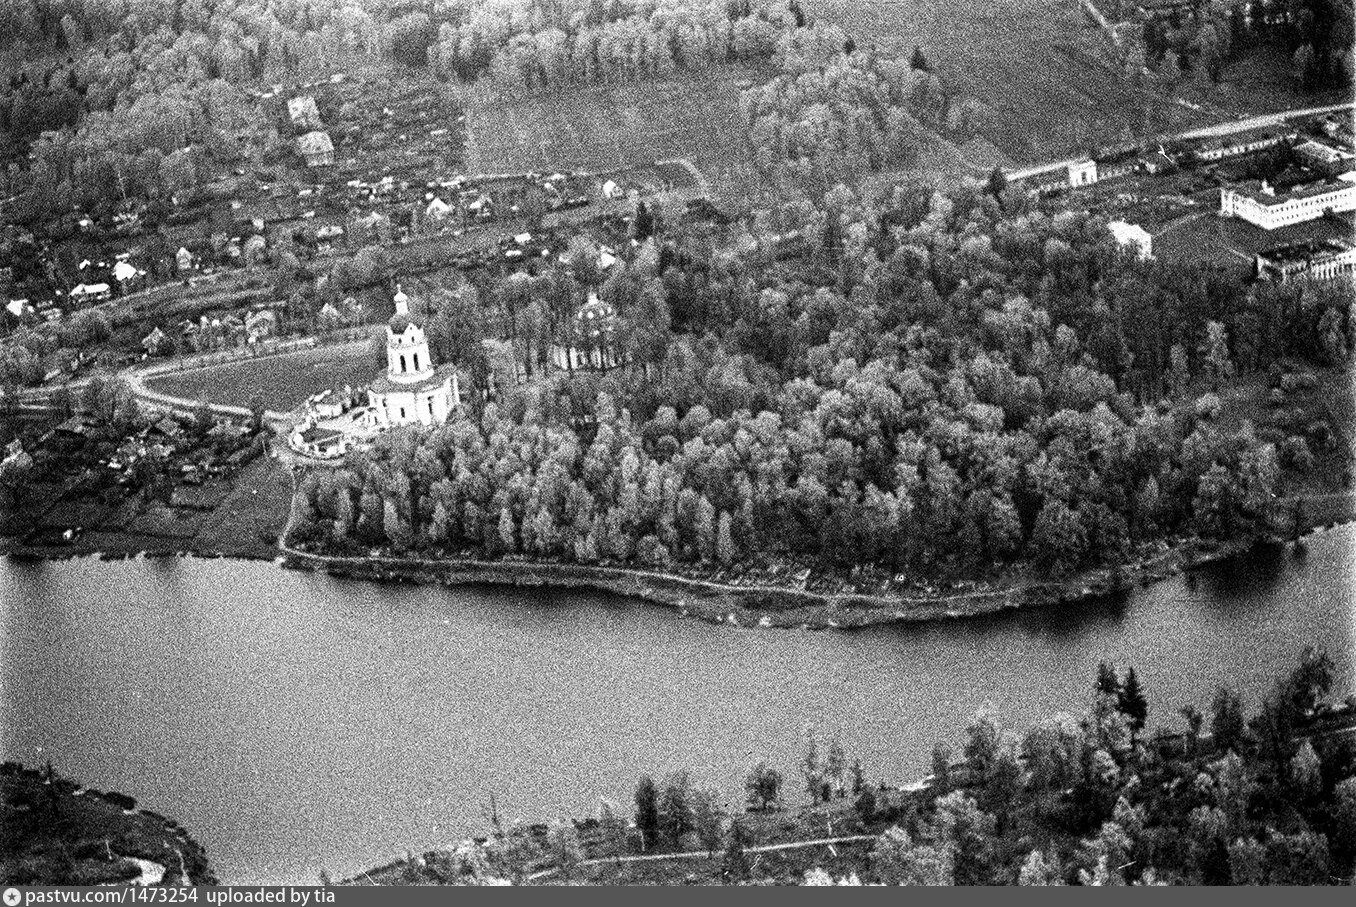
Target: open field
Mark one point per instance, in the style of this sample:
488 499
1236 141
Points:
1205 236
693 116
1027 60
282 382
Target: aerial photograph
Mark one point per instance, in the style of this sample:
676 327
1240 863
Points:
676 442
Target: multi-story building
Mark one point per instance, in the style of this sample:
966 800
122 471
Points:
1261 204
1308 260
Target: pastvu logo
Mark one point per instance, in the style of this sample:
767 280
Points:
12 897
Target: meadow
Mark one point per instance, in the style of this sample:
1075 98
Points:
1024 59
282 382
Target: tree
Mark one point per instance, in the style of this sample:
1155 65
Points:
919 61
835 767
675 808
811 767
734 866
1108 683
1058 539
1215 354
1227 724
257 410
563 844
16 470
866 804
647 812
1132 703
763 786
706 819
897 860
614 828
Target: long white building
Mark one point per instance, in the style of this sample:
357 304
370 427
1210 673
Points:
1260 204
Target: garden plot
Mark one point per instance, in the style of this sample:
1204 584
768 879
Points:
695 116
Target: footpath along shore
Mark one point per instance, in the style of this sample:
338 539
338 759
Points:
762 605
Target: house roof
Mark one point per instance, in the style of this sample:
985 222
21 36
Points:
317 142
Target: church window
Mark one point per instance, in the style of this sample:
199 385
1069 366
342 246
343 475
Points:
416 362
402 362
402 412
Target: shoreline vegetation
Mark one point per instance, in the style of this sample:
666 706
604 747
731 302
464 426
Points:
1096 798
62 833
768 606
747 605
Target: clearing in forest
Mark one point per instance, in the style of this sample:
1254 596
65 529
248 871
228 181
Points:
1027 60
605 127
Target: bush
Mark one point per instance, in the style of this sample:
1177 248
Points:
1296 455
1320 432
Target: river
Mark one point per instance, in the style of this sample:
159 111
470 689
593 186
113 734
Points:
293 721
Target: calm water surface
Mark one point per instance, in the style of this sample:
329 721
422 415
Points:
294 722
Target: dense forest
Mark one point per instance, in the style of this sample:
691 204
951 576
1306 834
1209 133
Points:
939 385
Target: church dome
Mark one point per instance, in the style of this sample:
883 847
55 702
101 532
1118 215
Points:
596 312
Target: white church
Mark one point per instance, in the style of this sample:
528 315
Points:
414 389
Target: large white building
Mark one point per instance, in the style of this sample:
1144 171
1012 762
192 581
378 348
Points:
1309 261
1260 204
413 390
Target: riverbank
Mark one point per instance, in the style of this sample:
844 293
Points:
59 833
756 605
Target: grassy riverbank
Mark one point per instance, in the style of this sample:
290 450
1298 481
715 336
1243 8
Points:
58 833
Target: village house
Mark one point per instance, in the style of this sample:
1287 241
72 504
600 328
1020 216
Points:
316 149
127 275
260 325
303 112
1133 236
91 292
184 259
1308 261
154 342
